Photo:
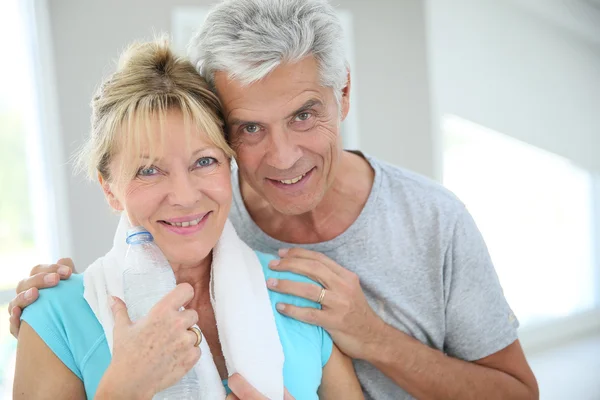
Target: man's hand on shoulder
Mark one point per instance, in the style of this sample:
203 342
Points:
41 276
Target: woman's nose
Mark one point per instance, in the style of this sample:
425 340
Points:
184 192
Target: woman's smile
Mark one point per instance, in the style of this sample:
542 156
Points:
186 225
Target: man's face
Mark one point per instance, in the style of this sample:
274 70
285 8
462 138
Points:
285 129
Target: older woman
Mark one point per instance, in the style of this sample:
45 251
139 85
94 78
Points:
158 151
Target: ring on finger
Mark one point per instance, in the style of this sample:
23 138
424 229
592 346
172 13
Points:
198 333
321 296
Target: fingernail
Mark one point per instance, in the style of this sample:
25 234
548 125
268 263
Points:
280 307
283 252
111 301
51 279
63 271
273 263
29 294
272 282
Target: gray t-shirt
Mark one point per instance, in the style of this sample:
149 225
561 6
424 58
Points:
423 266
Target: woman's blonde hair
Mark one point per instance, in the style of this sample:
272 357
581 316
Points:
150 81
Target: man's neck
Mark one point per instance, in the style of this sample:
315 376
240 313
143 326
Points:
337 211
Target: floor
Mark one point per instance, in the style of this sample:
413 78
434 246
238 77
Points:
570 372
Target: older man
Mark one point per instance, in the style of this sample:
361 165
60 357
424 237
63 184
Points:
410 291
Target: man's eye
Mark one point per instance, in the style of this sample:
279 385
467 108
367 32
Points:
147 171
252 128
303 116
205 161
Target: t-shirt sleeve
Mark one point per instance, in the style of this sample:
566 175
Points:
45 317
479 321
323 337
326 346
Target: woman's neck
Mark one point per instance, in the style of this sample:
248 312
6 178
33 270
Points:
197 275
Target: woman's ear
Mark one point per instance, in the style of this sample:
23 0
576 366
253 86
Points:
108 194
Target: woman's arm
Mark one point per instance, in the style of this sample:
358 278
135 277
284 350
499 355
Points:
339 379
39 373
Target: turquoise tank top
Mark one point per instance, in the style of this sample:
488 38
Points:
65 322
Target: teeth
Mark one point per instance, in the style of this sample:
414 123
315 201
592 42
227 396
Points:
185 224
292 181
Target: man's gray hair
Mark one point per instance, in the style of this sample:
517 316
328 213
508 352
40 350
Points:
247 39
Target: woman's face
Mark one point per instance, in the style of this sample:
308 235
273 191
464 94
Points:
183 197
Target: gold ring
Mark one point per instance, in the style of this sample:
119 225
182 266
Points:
198 333
321 296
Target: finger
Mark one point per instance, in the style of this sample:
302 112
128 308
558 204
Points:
307 291
15 321
309 268
189 318
67 262
298 252
196 354
177 298
232 396
119 311
46 268
191 358
49 278
310 315
242 389
24 299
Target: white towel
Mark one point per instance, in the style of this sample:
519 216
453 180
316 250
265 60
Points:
240 300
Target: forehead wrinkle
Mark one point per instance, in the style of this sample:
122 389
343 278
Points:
314 95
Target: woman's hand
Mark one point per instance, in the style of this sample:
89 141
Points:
153 353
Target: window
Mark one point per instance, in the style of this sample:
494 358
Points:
535 211
32 200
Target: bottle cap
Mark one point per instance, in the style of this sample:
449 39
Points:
138 234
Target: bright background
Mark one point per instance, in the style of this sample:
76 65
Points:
497 99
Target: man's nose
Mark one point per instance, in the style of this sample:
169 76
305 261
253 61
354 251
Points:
282 153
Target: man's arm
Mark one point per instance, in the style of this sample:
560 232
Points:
424 372
427 373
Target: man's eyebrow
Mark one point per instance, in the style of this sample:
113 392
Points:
308 104
237 121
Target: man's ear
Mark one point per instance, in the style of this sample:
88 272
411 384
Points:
108 194
345 100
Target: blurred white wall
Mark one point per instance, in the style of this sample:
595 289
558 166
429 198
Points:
504 65
391 59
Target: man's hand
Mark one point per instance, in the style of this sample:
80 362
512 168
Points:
242 390
40 277
345 312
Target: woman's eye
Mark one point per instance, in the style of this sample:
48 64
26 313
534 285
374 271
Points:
205 161
251 128
147 171
303 116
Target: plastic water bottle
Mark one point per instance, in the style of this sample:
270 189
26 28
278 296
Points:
147 278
